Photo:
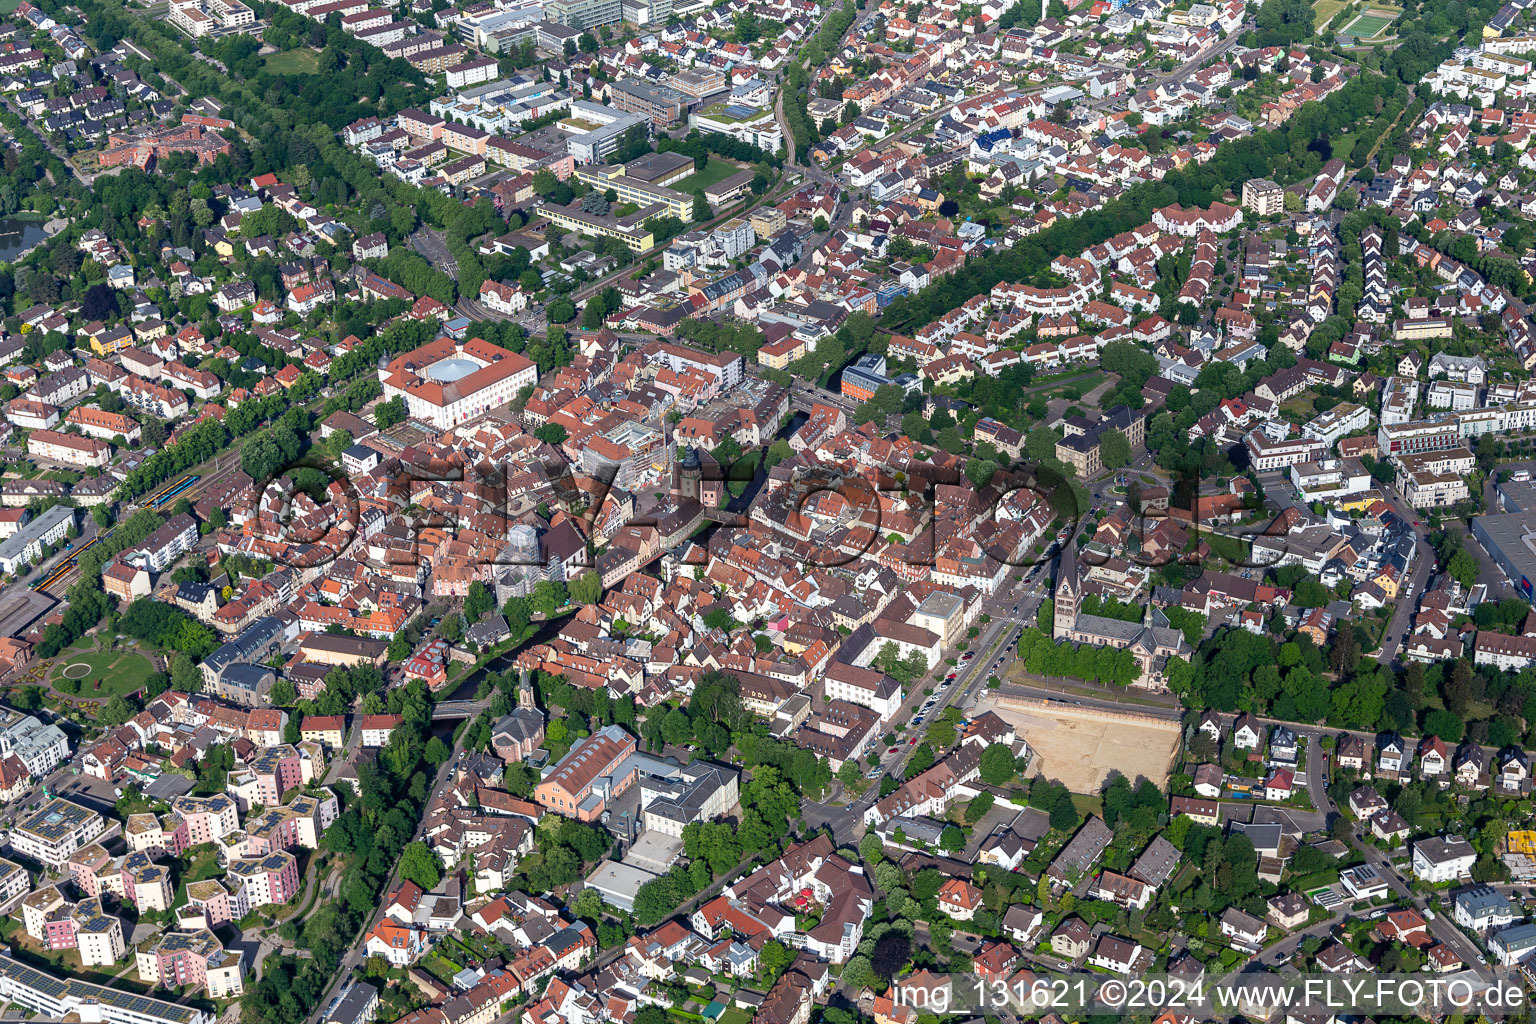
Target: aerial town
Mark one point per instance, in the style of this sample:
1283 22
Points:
763 511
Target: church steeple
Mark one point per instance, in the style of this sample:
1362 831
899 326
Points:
1068 594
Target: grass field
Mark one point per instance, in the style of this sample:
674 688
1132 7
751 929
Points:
1325 11
1344 146
1082 385
1370 24
118 672
717 170
291 62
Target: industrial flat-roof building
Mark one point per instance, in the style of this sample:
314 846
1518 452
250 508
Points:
1510 540
617 883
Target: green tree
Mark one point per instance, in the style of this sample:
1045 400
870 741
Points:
952 839
701 210
1114 449
388 414
858 974
1463 568
399 648
477 602
586 588
187 677
775 958
1064 812
420 865
978 807
116 711
998 767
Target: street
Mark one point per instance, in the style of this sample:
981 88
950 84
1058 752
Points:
1011 608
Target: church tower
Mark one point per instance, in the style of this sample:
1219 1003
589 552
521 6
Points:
525 690
1068 595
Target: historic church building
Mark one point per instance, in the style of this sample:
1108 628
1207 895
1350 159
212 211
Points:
1151 641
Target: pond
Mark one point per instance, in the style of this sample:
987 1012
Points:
18 235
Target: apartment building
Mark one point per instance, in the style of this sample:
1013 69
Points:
53 833
26 545
1080 444
1263 197
70 449
103 425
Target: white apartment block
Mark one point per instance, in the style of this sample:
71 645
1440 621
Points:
1457 396
52 834
1443 860
1343 419
40 748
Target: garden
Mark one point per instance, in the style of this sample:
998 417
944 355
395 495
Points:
100 673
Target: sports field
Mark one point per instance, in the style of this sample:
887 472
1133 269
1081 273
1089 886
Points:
1371 24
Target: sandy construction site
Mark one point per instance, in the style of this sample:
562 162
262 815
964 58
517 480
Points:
1080 746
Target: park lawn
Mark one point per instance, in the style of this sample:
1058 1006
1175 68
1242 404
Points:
1325 11
1084 384
118 672
1233 549
291 62
714 172
1060 376
440 967
1344 146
